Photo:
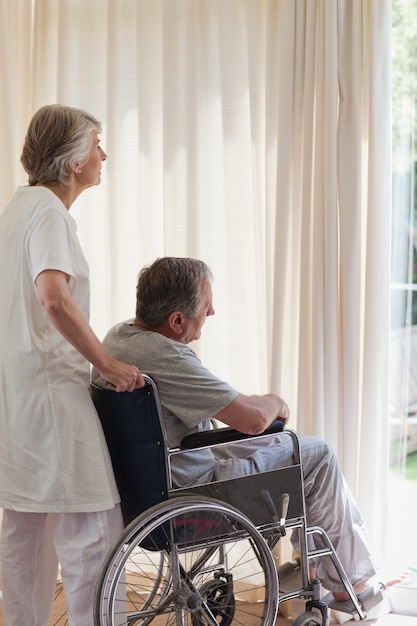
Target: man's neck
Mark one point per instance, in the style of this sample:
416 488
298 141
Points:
138 324
164 329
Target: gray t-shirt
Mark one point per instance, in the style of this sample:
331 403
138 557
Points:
190 394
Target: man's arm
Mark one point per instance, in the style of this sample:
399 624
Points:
253 414
64 313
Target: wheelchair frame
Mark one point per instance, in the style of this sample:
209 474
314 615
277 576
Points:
180 558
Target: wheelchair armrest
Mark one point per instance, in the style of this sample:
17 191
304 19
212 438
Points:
225 435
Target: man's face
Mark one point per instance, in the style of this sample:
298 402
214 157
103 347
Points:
192 326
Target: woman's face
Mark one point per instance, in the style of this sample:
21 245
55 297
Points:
91 167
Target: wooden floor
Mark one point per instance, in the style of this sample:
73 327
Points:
58 617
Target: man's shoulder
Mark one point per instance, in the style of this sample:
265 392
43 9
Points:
128 330
126 341
121 328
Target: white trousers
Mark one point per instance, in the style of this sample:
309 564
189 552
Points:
32 545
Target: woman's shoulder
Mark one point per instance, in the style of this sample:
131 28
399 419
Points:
38 201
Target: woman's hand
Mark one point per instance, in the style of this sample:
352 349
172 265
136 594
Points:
123 377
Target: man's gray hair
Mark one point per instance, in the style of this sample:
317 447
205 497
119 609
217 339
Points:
170 284
57 137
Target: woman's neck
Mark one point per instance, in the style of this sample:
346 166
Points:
67 194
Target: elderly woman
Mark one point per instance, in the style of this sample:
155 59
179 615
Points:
57 489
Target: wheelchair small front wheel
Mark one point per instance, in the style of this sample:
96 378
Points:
308 619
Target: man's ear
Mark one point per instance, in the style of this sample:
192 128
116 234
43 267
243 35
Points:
175 320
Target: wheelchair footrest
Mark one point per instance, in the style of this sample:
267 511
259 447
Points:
373 602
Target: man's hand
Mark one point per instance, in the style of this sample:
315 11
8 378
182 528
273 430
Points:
283 411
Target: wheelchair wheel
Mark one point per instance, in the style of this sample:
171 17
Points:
308 619
188 562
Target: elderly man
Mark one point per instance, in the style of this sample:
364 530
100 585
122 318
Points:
174 298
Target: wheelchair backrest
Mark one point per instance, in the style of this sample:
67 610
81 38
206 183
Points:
136 442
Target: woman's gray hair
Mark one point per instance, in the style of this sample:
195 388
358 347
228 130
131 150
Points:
57 137
170 284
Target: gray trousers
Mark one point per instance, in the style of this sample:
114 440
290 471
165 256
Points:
329 502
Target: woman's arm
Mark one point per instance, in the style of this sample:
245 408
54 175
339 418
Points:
64 313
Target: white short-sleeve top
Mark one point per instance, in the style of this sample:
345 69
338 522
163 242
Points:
53 455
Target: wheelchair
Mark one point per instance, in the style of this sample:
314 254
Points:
204 555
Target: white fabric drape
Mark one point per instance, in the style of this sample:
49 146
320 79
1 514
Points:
254 134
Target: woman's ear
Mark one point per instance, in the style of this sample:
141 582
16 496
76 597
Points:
75 167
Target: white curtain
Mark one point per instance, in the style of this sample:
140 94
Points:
254 134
